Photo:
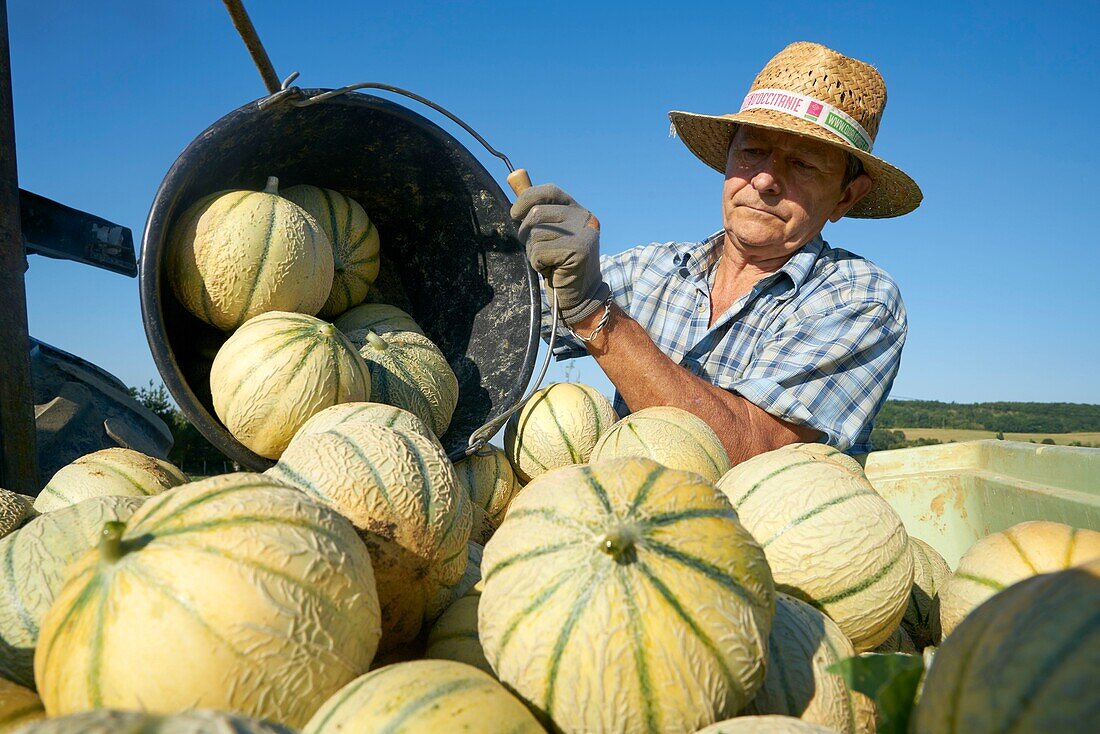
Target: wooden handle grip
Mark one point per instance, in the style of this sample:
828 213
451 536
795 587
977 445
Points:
519 180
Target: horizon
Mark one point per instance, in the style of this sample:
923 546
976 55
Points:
991 266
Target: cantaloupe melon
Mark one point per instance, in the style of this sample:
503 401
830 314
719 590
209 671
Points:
424 696
454 635
399 489
232 593
354 240
409 371
1025 660
802 645
766 725
13 511
831 540
381 318
109 472
626 596
670 436
34 561
18 706
380 414
106 721
558 426
930 573
488 478
1001 559
236 254
277 371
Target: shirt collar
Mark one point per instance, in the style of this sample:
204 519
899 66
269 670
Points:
697 258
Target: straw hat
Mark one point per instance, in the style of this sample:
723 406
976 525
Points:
812 90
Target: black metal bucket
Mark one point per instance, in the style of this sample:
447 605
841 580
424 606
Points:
450 256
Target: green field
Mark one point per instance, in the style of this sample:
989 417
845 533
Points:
962 434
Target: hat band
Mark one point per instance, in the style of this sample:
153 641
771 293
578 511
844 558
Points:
820 113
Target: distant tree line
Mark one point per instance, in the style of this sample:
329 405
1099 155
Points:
191 452
1000 417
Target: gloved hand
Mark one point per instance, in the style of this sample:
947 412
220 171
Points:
563 244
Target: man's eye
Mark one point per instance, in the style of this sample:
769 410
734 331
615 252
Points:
803 165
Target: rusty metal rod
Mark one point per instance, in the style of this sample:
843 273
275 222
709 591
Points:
18 457
252 42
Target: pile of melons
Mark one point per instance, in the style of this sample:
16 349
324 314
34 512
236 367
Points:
271 268
593 575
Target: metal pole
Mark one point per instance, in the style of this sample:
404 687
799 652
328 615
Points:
247 31
18 458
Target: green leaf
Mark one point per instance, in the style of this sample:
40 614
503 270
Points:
891 680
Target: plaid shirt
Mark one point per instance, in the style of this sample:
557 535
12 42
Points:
816 343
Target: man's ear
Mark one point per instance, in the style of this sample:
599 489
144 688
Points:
857 189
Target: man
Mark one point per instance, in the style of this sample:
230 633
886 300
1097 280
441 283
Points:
762 330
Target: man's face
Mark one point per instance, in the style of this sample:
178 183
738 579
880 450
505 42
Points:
780 190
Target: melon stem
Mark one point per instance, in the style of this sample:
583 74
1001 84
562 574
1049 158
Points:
619 544
272 185
110 542
376 341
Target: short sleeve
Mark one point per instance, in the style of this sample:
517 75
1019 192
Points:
831 372
619 272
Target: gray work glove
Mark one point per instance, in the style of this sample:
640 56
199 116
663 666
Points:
563 244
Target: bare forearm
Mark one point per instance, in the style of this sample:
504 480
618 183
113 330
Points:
645 377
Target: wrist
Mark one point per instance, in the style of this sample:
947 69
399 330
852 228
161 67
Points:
590 309
593 329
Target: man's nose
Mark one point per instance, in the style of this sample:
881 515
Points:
767 179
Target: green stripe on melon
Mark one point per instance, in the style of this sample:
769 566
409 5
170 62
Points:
605 582
558 426
1025 660
232 593
399 489
424 696
110 472
135 722
670 436
33 564
802 645
354 240
1002 559
279 370
236 254
831 540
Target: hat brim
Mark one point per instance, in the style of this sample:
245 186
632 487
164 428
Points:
893 193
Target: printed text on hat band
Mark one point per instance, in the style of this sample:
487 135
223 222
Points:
820 113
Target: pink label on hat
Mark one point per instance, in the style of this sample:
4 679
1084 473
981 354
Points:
815 109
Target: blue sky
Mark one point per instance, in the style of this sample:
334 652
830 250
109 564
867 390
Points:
992 109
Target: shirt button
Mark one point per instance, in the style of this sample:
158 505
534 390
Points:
702 306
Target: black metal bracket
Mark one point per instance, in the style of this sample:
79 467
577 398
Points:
64 233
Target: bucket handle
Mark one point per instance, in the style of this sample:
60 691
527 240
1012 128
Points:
518 180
